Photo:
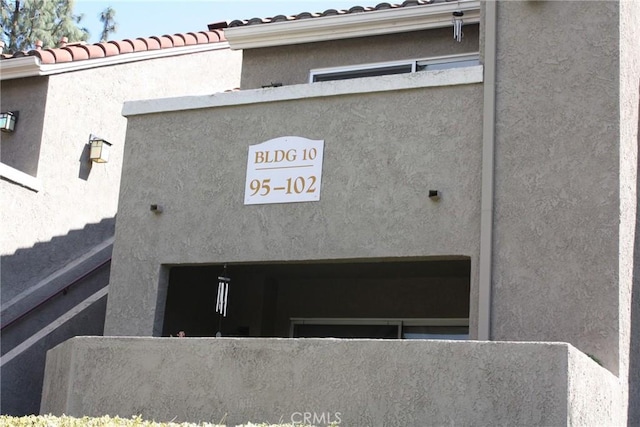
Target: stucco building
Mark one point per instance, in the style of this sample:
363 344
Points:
473 177
58 206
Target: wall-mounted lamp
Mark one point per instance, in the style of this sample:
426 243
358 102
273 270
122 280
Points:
99 149
457 25
8 121
434 195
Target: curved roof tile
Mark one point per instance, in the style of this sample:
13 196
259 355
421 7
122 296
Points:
213 36
163 41
190 39
139 45
123 46
200 37
328 12
77 53
176 39
82 51
150 43
46 57
94 50
279 18
61 54
110 49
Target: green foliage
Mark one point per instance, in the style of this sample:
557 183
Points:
26 21
66 421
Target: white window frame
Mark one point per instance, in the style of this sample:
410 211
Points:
399 322
413 63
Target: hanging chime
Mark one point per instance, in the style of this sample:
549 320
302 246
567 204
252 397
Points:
223 293
457 25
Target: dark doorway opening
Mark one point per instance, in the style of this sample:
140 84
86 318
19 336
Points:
383 299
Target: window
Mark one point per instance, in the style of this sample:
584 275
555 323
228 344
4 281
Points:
364 72
389 68
441 329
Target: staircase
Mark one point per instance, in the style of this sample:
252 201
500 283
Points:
64 303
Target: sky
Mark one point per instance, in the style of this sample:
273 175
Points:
144 18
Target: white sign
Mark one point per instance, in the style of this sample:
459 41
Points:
284 170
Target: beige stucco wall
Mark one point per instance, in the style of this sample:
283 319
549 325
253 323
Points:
376 175
565 190
629 219
291 64
28 96
362 382
87 102
556 272
589 389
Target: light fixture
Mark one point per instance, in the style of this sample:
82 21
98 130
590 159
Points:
99 149
8 121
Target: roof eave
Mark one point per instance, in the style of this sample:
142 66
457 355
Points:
15 68
386 21
29 66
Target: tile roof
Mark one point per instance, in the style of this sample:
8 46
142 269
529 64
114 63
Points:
328 12
69 52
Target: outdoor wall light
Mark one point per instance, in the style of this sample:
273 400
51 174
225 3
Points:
99 149
434 195
8 121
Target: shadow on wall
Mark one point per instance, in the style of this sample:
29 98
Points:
21 378
85 162
21 149
634 347
35 322
25 267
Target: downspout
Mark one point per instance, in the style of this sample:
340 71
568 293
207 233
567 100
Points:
488 144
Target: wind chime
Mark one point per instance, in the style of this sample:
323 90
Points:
223 297
457 25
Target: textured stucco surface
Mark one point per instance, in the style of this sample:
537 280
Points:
78 104
555 269
43 231
594 398
369 382
376 175
28 96
291 64
23 376
629 213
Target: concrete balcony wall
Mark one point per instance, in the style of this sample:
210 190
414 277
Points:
357 382
190 156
